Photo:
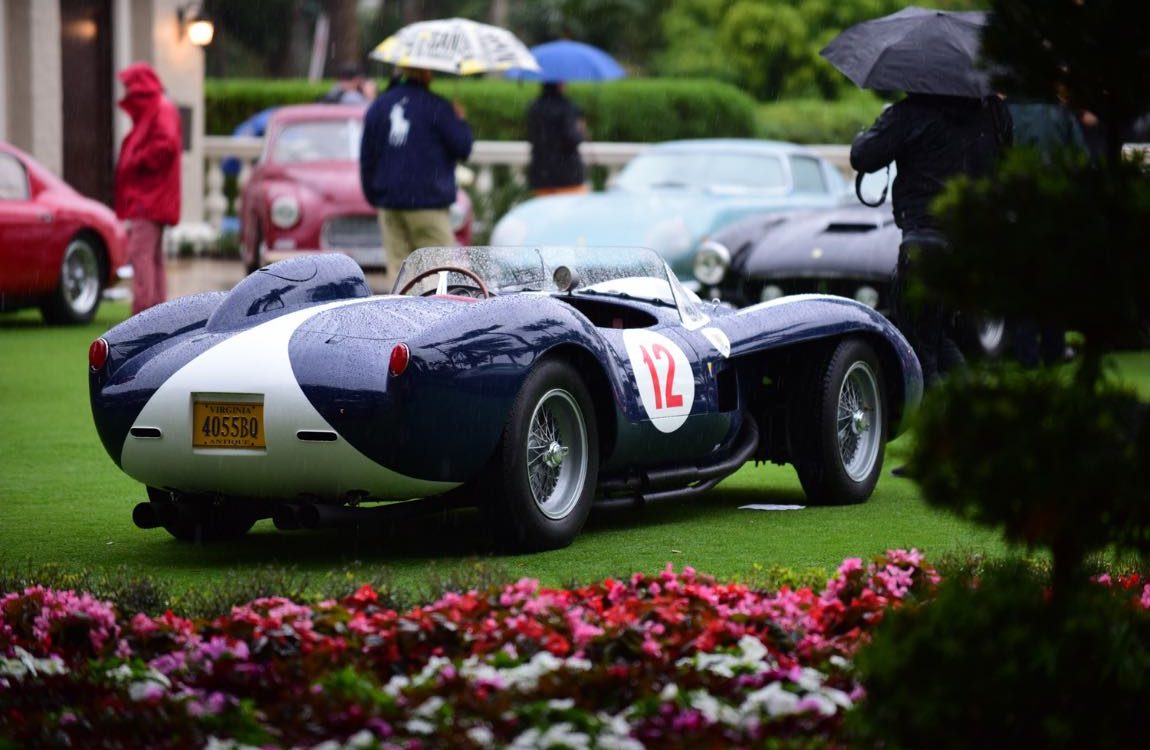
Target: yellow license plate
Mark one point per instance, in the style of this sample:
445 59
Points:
228 424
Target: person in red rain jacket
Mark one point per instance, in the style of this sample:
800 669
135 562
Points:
147 186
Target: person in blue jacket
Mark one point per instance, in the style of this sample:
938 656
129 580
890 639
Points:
412 140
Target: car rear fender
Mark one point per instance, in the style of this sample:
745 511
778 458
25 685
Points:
158 326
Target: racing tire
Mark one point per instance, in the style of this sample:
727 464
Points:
80 286
843 428
547 462
200 522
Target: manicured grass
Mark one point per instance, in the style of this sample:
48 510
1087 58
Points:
64 502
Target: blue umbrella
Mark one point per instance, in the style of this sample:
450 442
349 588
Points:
567 60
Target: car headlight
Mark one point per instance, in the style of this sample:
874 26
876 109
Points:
285 211
711 263
867 295
770 292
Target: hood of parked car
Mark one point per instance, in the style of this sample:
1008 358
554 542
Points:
855 241
671 222
336 182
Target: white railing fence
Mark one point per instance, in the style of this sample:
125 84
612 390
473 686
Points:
486 156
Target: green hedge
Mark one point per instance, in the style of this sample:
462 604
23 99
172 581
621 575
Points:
817 120
642 110
631 110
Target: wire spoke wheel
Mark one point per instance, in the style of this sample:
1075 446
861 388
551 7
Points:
557 454
842 432
547 462
859 413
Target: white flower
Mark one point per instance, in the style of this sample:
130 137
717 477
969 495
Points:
429 707
774 698
669 692
561 735
215 743
706 704
396 685
327 745
810 679
419 726
712 709
361 739
151 684
838 697
482 736
617 742
24 665
752 657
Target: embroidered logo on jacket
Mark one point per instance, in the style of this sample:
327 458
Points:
399 124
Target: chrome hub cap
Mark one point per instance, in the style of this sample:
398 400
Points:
554 454
859 410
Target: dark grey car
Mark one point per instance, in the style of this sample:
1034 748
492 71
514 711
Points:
849 251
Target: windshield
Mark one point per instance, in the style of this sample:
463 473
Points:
627 272
317 140
703 170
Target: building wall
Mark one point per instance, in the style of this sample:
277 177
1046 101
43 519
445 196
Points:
31 100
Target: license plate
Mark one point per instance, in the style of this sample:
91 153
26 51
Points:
228 424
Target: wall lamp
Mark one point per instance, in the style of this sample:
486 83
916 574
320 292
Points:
198 27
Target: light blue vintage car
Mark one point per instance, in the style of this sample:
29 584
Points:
673 195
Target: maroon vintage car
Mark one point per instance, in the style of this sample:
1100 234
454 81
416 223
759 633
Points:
304 193
58 249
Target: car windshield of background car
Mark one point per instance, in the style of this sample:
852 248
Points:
720 172
13 179
320 140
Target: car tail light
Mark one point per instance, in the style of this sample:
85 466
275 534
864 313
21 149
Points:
400 357
98 354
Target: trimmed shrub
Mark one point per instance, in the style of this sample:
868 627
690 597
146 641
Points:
817 120
646 110
988 449
991 664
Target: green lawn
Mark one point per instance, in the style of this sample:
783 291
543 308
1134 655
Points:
63 502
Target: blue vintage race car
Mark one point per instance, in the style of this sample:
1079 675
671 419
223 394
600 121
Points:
531 382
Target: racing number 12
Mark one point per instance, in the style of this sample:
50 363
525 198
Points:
658 351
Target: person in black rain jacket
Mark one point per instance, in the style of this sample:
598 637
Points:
930 138
555 128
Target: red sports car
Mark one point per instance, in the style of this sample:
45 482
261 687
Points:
58 249
304 193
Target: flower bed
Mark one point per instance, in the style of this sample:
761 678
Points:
672 660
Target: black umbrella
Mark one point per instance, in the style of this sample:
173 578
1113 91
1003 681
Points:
917 50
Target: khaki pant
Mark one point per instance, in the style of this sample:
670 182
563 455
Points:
404 231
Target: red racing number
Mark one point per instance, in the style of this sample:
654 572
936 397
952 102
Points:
658 351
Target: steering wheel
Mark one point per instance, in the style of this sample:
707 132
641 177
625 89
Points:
438 269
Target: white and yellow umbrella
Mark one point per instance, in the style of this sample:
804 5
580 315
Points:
455 45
